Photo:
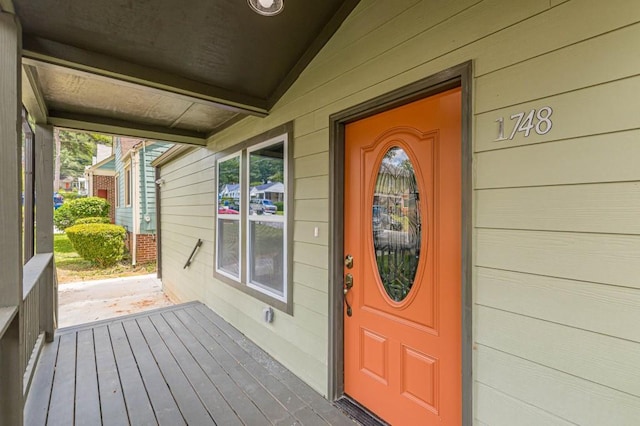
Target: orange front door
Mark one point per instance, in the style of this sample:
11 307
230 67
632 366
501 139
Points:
402 228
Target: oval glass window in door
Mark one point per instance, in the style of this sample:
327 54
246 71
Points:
396 224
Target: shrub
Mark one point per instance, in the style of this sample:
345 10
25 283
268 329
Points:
89 207
92 219
69 195
62 217
73 210
99 243
279 205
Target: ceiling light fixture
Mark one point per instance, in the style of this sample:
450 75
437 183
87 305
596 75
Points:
266 7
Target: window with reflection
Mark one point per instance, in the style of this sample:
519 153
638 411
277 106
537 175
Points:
252 218
266 218
228 229
396 224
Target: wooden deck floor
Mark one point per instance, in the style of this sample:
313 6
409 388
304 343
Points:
173 366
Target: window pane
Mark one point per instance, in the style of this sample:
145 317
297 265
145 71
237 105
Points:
266 263
229 246
396 224
229 186
267 180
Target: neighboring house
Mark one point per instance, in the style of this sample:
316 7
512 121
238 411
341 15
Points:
67 183
230 191
273 191
101 178
135 199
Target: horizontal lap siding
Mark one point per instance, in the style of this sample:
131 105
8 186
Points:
123 213
556 239
187 216
148 186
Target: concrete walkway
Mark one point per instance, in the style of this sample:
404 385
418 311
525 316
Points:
89 301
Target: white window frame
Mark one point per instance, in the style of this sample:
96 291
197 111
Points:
117 189
281 301
263 218
128 186
237 217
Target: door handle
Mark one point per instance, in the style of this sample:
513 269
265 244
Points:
348 283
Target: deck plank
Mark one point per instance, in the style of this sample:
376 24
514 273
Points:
210 395
37 404
64 382
286 397
87 402
186 397
271 397
206 350
175 366
114 411
304 394
164 405
133 389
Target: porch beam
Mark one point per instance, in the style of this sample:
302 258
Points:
111 126
44 229
32 94
11 368
28 194
53 52
44 188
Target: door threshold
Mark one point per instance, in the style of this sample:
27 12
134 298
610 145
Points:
358 412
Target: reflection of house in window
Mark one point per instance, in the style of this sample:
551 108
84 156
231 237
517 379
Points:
230 190
273 191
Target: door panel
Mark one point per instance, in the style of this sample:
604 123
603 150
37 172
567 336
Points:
402 224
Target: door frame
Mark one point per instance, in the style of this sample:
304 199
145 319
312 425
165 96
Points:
457 76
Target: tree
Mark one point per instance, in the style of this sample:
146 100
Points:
75 151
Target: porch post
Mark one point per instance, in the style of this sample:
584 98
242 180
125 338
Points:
11 368
44 224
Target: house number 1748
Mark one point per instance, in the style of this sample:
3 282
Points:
537 120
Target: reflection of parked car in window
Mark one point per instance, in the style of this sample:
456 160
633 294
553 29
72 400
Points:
260 206
227 210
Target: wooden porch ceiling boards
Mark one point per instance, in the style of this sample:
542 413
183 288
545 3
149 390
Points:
192 65
178 365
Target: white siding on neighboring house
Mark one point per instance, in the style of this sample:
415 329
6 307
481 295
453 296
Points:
556 232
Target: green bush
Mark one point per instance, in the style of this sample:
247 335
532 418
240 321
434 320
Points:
69 195
92 219
279 205
99 243
79 208
89 207
62 217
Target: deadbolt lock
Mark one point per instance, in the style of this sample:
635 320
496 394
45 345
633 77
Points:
348 261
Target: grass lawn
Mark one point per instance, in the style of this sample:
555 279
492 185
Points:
71 267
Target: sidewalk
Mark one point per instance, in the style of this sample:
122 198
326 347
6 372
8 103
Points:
89 301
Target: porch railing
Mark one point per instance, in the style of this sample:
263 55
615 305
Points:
39 311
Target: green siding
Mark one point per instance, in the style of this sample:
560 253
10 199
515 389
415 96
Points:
147 184
556 246
145 179
124 214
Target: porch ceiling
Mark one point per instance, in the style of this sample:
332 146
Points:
165 69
